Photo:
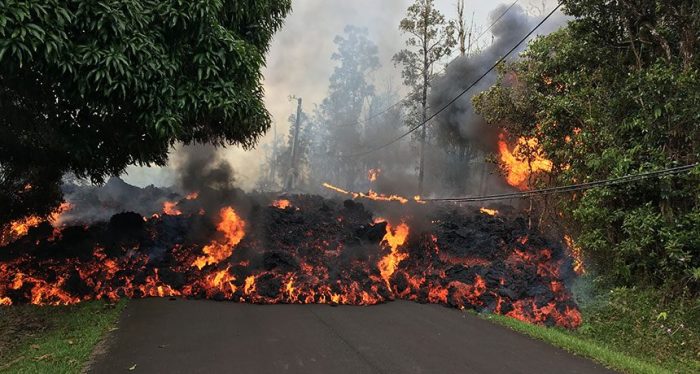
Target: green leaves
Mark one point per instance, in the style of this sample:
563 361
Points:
600 111
91 86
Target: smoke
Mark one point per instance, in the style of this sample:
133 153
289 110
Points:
464 139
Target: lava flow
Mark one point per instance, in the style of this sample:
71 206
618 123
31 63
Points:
302 249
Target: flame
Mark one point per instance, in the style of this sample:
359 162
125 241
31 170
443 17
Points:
249 286
233 228
517 167
192 196
491 212
281 204
373 174
576 254
393 238
370 195
169 208
57 215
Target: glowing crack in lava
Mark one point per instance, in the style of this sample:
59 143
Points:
518 168
322 251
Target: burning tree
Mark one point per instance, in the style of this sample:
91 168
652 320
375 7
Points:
613 94
90 87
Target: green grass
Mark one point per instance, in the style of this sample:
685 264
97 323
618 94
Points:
52 339
629 330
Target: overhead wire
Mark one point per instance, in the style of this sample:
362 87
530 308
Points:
392 106
444 107
570 188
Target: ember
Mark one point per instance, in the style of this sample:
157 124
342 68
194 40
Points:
322 251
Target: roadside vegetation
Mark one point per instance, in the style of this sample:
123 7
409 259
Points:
630 330
36 339
612 94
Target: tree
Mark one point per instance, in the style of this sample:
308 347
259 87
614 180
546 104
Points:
89 87
339 114
430 38
615 93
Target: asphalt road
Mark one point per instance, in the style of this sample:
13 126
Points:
183 336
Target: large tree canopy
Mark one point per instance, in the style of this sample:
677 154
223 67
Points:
616 93
91 86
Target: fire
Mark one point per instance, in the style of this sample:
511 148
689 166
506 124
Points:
393 238
517 166
192 196
312 259
373 174
281 204
490 212
233 228
576 254
370 195
21 227
169 208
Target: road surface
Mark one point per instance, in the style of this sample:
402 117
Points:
185 336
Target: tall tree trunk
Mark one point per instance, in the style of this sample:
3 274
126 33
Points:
424 102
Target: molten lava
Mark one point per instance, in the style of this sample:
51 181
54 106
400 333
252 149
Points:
322 251
519 167
281 204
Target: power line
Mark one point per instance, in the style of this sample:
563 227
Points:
571 188
392 106
442 109
496 21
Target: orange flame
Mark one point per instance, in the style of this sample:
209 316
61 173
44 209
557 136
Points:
373 174
518 168
491 212
169 208
281 204
576 254
192 196
393 238
233 228
370 195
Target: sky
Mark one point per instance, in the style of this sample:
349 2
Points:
299 64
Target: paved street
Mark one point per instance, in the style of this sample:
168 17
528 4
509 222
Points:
184 336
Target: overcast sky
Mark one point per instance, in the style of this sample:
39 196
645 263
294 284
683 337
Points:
299 63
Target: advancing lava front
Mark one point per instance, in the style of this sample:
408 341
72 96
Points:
302 250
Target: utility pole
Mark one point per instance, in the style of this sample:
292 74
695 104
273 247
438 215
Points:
295 145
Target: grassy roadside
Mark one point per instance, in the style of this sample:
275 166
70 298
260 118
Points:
52 339
629 330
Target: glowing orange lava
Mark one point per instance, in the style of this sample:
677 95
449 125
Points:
281 204
233 228
518 168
